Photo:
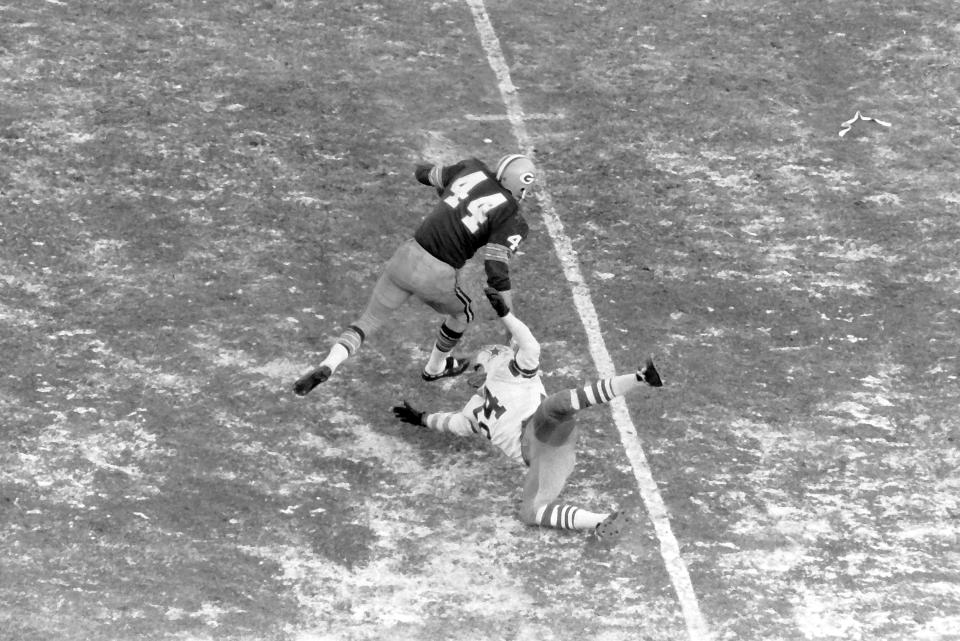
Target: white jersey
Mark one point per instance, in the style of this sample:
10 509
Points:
506 399
510 394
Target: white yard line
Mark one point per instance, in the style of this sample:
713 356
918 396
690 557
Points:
495 117
669 549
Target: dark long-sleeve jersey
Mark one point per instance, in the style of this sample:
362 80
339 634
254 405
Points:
474 211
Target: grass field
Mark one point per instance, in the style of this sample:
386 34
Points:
196 196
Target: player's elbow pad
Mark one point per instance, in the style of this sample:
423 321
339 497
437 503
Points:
528 357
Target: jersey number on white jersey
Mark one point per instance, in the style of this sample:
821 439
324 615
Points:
491 408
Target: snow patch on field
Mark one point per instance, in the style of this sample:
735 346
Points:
384 595
453 573
17 317
821 616
438 148
867 407
396 454
838 281
64 459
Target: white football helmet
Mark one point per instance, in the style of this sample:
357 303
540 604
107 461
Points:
487 353
516 173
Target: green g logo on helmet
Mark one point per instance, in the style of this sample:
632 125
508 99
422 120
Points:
516 173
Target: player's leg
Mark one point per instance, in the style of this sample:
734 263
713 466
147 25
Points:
605 390
388 295
549 470
456 304
441 363
436 283
549 443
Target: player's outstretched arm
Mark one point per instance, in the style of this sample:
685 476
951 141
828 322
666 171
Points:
528 349
453 422
496 265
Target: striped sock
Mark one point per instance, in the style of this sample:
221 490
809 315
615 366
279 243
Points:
557 515
349 342
352 338
603 391
564 516
447 339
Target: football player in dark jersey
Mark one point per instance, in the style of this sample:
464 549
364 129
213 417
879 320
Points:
512 410
478 208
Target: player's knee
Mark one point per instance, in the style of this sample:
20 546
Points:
555 433
457 322
557 407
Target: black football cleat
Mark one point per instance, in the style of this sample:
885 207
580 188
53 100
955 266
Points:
454 367
610 527
307 382
649 375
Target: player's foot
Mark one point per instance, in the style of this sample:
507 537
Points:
454 367
649 375
611 526
307 382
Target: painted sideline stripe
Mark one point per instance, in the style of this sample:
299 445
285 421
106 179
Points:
669 548
496 117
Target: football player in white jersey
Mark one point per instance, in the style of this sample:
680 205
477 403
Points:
512 409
